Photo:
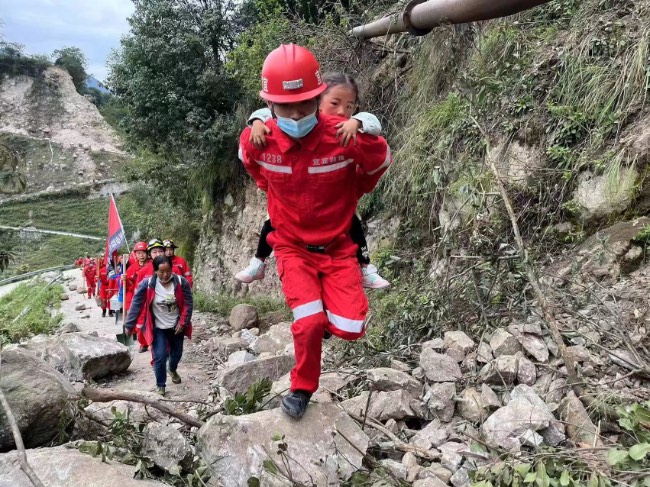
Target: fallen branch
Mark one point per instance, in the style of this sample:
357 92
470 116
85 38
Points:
106 395
399 444
18 439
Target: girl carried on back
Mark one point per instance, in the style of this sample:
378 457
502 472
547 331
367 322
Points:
341 98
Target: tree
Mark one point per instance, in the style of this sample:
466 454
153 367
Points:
6 257
170 75
72 59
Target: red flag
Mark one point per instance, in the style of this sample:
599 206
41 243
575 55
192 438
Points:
116 237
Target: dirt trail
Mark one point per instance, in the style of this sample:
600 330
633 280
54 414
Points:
196 369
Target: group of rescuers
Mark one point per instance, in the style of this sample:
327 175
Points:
314 157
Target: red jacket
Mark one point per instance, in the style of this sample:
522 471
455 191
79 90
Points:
140 311
312 184
131 283
182 268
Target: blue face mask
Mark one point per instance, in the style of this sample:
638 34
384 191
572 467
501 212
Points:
297 128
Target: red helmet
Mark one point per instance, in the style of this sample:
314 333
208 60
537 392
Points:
291 74
140 246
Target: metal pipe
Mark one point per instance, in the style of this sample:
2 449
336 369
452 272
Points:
420 17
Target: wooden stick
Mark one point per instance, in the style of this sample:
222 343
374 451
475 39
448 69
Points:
106 395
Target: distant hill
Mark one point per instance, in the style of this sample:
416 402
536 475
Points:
92 82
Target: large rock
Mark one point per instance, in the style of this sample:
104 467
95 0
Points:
384 405
459 341
238 378
471 405
243 316
37 395
68 467
225 345
432 435
275 340
439 398
387 379
579 426
167 447
438 367
329 383
324 448
598 196
501 371
503 343
80 356
509 426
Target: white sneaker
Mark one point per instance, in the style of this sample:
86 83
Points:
254 271
372 280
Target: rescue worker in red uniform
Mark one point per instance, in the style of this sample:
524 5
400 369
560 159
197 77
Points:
90 273
180 267
312 185
114 282
104 286
154 248
130 283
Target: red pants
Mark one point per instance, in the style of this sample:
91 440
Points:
90 284
324 292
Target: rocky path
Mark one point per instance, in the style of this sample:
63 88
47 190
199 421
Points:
195 368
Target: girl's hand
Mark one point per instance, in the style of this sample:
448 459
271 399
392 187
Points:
348 131
258 134
179 329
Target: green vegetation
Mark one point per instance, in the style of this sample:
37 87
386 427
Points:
251 402
32 305
73 60
222 304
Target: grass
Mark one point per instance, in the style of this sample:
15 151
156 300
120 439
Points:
40 301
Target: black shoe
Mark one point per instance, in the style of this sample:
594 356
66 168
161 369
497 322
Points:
295 403
104 313
143 348
327 335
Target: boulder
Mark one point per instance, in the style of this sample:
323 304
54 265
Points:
471 405
435 471
80 307
504 343
167 447
68 328
243 316
460 478
503 370
532 343
37 395
324 448
383 405
429 482
526 371
82 356
432 435
508 426
439 398
225 346
64 297
484 353
458 340
65 466
397 469
387 379
438 367
579 426
238 378
240 357
275 340
72 287
598 197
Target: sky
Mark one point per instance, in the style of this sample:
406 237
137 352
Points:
94 26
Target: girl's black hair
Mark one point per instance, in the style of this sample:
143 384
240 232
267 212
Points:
335 79
161 259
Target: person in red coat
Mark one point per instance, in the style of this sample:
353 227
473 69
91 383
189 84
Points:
90 273
104 286
130 281
312 183
179 265
164 304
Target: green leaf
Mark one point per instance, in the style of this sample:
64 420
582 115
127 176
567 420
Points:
565 478
175 470
593 481
638 452
253 482
270 467
522 469
614 456
530 478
